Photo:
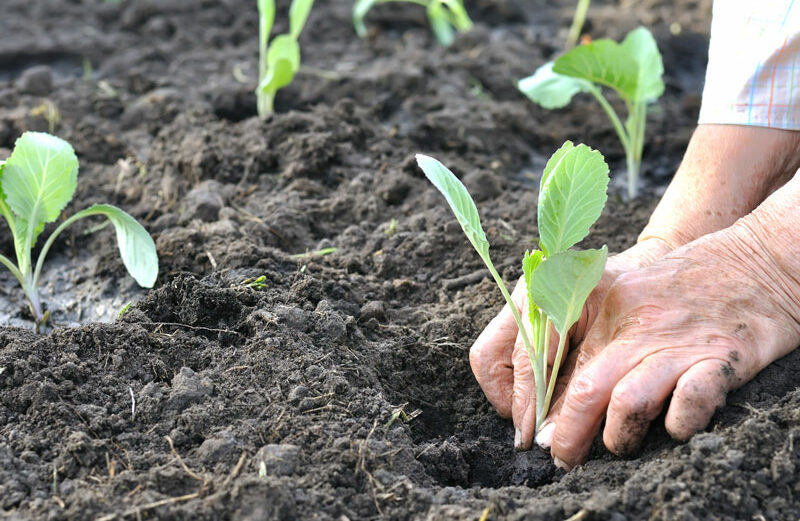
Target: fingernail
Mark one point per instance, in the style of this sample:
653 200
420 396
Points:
517 439
560 464
544 438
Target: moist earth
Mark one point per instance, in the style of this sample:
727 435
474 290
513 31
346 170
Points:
341 389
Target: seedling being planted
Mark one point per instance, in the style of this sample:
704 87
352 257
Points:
633 69
445 16
572 194
278 60
36 182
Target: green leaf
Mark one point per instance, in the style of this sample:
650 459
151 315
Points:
551 90
642 47
458 16
136 247
440 23
563 282
266 14
283 60
39 178
360 10
5 211
298 14
459 200
553 162
604 62
571 198
530 262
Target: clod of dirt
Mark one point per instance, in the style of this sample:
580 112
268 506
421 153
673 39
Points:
36 81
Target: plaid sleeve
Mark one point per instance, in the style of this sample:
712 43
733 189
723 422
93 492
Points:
753 75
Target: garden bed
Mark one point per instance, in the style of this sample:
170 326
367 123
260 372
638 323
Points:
348 374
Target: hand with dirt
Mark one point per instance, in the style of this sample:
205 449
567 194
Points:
726 172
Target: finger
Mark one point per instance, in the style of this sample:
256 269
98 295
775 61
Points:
699 392
523 404
585 403
637 400
490 356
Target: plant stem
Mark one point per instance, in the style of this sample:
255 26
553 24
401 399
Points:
612 115
577 22
541 414
633 153
263 45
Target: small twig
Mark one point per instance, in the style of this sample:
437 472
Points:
236 470
133 403
186 469
187 326
582 513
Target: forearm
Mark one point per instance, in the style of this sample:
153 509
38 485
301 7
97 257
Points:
727 171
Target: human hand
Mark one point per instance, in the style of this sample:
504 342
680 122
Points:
499 359
699 322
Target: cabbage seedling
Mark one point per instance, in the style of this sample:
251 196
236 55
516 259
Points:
279 60
36 182
633 69
445 17
572 194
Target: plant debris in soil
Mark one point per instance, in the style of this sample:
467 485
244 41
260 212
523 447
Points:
338 387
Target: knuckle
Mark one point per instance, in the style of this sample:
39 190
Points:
583 392
631 403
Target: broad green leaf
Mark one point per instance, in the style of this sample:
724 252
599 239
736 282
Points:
440 23
641 45
604 62
571 199
266 14
551 90
553 162
459 200
360 10
136 247
39 177
563 282
283 60
298 14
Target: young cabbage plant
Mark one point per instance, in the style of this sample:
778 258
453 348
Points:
445 17
633 69
572 195
278 60
36 182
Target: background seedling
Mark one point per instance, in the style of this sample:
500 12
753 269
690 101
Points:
633 69
278 60
577 22
572 194
36 183
445 16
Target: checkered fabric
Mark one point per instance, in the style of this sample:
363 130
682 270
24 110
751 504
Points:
753 75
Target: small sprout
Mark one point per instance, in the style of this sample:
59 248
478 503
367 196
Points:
88 70
445 17
49 111
279 59
633 69
36 183
400 414
262 469
258 284
572 194
392 228
124 310
309 254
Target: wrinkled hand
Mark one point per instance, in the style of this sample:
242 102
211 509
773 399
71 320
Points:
697 323
499 359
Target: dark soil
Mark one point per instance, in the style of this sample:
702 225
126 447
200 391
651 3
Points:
342 390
